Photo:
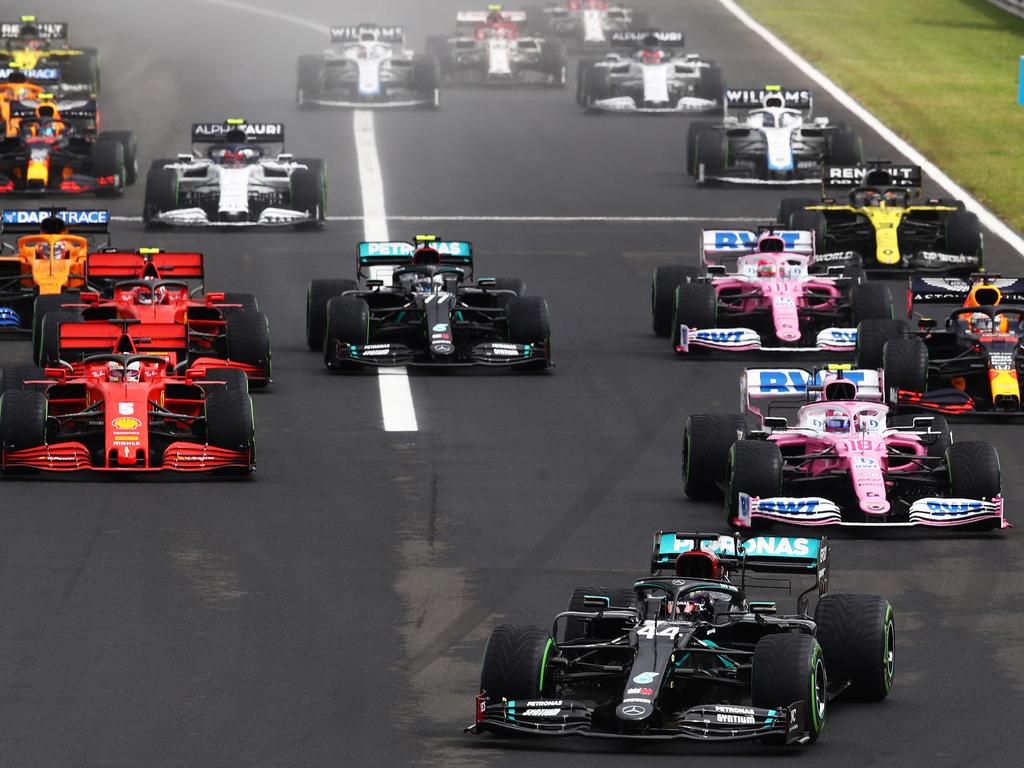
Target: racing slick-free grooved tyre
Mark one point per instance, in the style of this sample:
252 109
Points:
515 662
663 295
791 205
712 151
248 340
963 233
872 336
844 148
905 361
707 439
131 152
232 378
712 84
695 305
940 443
317 296
426 75
161 193
13 378
790 667
246 300
870 301
42 306
974 471
22 419
108 160
596 87
49 342
438 47
607 629
583 69
692 131
348 322
857 634
229 422
309 193
755 468
554 62
528 323
309 84
811 221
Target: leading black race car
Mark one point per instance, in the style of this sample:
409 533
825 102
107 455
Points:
686 655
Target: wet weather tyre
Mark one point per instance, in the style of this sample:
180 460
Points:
707 440
317 296
872 336
309 193
692 132
248 341
712 84
755 468
514 284
22 419
663 295
42 306
905 361
712 151
13 378
974 471
937 445
49 342
791 205
108 159
606 629
131 152
515 662
870 301
963 233
161 194
857 634
844 148
696 307
229 422
426 76
555 62
528 321
583 69
788 668
811 221
596 87
309 83
348 322
232 378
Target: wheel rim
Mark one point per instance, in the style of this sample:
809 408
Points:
889 650
819 691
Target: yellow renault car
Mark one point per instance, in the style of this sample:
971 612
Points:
37 46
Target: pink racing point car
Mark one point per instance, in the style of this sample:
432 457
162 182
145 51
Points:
778 297
845 461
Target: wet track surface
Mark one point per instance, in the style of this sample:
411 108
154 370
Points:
332 610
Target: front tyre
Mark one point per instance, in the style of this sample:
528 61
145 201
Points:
790 668
515 664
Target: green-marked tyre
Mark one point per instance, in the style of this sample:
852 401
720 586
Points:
790 668
516 662
858 638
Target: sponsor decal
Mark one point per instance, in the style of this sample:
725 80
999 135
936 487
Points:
758 546
440 328
795 381
641 691
789 506
541 712
838 334
636 701
402 249
71 218
265 130
742 239
947 258
126 423
645 678
856 173
827 258
865 462
954 508
731 710
48 73
718 337
126 409
735 719
633 710
1001 361
551 703
755 95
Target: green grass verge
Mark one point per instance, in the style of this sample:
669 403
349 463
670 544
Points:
941 73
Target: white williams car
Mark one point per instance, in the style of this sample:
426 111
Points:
778 141
493 48
653 77
230 180
369 68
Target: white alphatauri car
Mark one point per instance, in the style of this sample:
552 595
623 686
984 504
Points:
493 48
369 68
231 180
653 77
778 141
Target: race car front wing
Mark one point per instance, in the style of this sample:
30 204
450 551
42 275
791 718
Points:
933 512
495 354
839 340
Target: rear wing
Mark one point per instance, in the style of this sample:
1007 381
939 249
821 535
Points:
476 18
378 260
117 266
30 221
363 32
81 340
213 133
39 76
983 289
763 388
754 98
733 243
633 39
853 175
28 27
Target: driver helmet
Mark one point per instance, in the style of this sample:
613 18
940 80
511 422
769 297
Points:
36 45
694 606
115 371
43 250
980 322
416 282
495 17
60 249
133 372
648 56
894 197
766 268
234 155
837 423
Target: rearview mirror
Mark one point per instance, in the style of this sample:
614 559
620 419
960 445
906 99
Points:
775 422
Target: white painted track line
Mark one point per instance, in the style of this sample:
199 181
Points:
989 219
396 400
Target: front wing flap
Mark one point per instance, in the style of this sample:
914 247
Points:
839 340
495 354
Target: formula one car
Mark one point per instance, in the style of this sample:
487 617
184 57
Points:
778 297
885 224
34 45
235 182
972 364
847 460
16 85
419 307
124 411
685 654
587 24
778 141
492 48
53 148
47 261
653 78
368 69
154 289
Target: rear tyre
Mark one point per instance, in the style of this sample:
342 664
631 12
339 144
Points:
870 301
528 323
555 62
791 205
663 295
905 362
707 440
317 296
712 151
963 233
49 343
755 468
695 306
515 662
13 378
248 341
712 84
426 75
22 419
790 668
940 443
42 306
246 301
131 152
108 160
229 422
309 193
872 336
233 379
692 131
811 221
514 284
161 194
974 471
606 629
309 80
844 148
857 634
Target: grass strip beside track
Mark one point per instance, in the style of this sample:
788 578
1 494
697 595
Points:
941 73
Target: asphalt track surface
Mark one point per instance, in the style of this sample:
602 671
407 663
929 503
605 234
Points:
332 610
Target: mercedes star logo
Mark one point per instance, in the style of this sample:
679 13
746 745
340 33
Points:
633 709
